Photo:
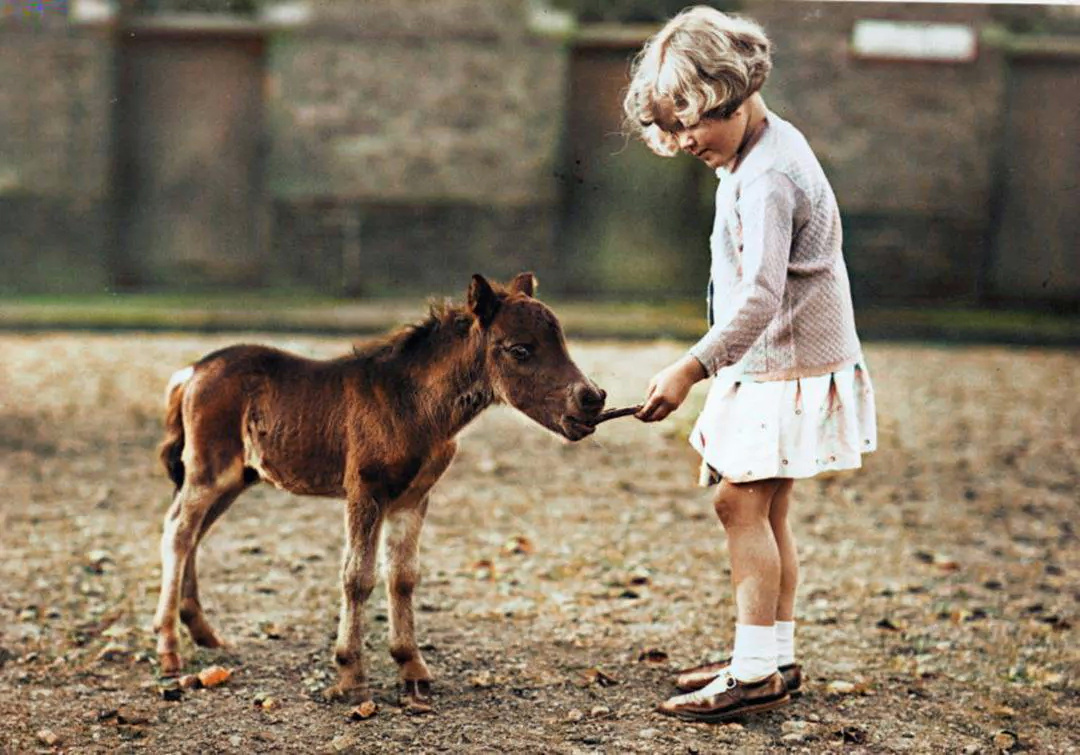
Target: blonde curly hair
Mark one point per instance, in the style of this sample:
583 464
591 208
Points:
703 62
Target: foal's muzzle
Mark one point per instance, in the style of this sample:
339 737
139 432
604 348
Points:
586 403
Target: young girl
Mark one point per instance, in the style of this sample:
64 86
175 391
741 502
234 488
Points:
791 397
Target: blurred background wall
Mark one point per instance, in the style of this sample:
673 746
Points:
369 147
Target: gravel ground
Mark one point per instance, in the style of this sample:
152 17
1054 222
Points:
562 583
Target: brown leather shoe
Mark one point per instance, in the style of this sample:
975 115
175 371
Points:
693 679
737 699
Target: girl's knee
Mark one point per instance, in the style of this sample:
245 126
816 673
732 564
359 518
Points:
781 503
736 507
778 516
731 513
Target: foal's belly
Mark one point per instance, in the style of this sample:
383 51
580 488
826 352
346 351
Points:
311 471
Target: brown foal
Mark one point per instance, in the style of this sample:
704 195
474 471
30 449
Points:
376 428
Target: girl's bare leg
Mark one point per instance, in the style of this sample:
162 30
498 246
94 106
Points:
750 681
789 557
743 509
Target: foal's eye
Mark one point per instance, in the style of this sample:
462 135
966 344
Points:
520 352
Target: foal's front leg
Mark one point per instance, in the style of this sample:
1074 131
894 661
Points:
402 542
403 574
362 523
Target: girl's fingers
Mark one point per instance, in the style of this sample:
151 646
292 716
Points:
662 411
655 409
649 403
646 411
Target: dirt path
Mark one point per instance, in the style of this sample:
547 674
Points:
938 609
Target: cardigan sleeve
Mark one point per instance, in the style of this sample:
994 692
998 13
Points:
766 209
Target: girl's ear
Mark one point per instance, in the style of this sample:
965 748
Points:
524 283
482 300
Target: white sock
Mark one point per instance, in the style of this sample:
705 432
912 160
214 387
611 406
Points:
785 643
754 656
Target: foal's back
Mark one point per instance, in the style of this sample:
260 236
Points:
280 415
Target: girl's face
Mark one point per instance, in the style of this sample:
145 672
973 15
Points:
715 139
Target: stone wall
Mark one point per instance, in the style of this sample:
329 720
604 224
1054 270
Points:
410 143
55 139
913 149
416 142
452 101
438 123
910 147
362 248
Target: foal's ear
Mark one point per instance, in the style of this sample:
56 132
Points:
524 283
482 300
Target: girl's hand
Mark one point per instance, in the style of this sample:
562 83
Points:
668 388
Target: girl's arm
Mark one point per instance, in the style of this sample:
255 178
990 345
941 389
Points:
668 388
767 211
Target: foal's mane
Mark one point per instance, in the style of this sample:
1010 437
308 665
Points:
444 317
409 339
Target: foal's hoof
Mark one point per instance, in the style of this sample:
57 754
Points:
350 695
169 664
416 696
208 639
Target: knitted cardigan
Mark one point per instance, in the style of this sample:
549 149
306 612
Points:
779 296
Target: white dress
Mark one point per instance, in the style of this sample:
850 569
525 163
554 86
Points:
760 428
785 428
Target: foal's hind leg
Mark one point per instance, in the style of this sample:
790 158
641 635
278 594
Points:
183 524
402 526
191 612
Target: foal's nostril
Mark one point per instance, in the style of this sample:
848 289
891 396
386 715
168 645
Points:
591 399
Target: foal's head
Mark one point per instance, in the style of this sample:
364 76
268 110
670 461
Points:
527 360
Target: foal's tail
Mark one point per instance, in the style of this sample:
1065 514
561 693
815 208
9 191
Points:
172 446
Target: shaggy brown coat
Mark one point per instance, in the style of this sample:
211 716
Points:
376 428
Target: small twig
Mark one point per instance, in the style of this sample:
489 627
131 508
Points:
607 414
